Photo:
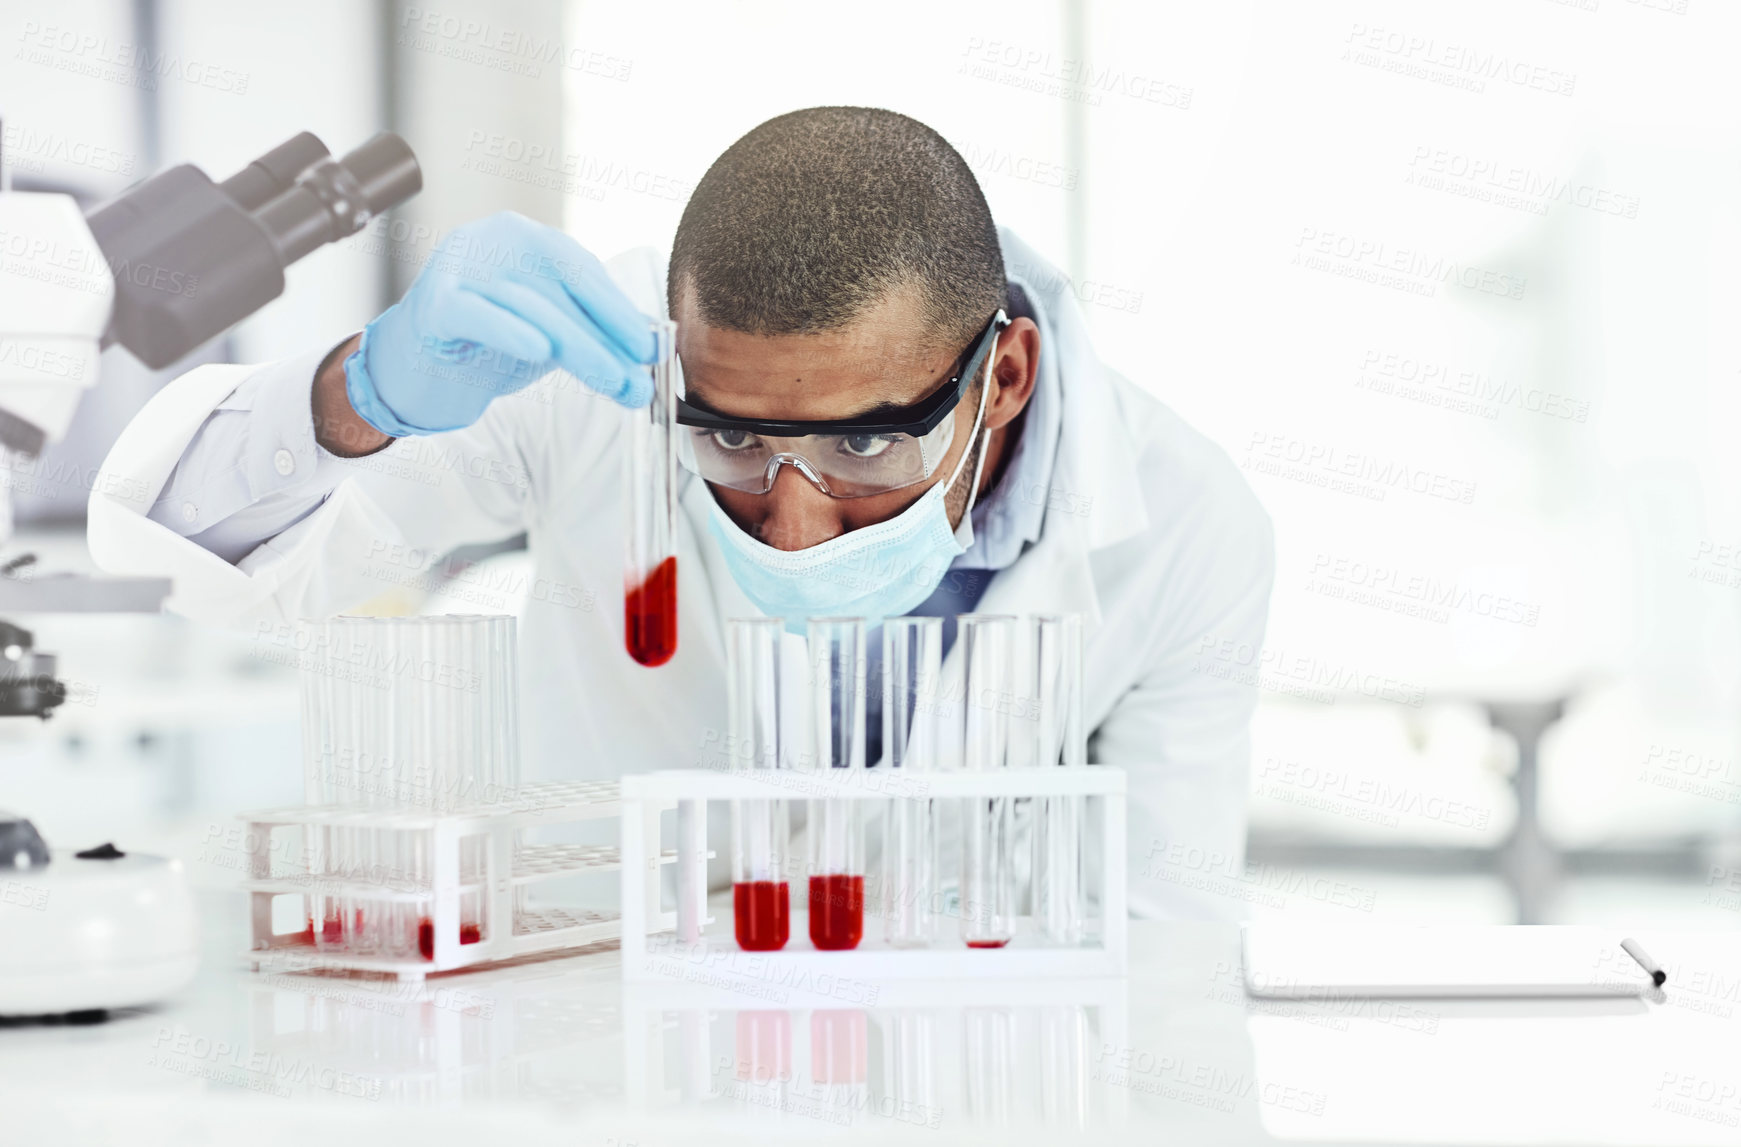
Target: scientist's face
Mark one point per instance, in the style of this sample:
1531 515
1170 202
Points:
881 359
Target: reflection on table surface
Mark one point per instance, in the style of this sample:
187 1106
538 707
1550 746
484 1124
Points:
559 1048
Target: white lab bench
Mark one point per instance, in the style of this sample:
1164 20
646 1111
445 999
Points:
557 1050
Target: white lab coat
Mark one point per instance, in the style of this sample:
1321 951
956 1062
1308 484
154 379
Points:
1151 533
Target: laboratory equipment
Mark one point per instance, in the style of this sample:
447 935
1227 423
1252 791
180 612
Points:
161 268
166 265
836 828
988 885
911 670
650 506
411 856
1056 738
429 722
82 932
759 828
1102 952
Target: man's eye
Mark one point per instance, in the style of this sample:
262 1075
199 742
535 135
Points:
865 445
733 439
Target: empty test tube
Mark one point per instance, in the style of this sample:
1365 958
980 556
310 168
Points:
911 669
988 885
650 509
400 713
1055 653
759 828
836 829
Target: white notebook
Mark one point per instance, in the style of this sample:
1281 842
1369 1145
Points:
1301 961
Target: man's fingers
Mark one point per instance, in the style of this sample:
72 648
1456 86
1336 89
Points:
565 272
575 341
465 315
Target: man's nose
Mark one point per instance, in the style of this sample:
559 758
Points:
798 514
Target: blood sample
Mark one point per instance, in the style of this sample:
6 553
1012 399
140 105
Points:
836 911
986 943
650 616
759 828
468 934
650 513
836 831
762 915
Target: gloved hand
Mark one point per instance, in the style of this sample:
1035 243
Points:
502 302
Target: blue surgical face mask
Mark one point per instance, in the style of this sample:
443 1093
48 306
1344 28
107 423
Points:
883 570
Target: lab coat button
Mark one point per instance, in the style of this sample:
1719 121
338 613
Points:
284 462
189 511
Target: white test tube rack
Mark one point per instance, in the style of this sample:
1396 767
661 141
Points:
506 933
1029 956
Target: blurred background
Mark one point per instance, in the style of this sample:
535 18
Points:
1454 283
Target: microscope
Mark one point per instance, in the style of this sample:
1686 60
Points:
169 263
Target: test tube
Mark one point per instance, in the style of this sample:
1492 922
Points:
988 885
1058 739
320 748
836 830
759 828
650 503
405 712
912 666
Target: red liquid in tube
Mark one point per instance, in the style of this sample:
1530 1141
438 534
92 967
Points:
762 917
836 911
986 943
468 934
650 616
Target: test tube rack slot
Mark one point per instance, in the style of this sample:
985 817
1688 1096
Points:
279 868
1102 953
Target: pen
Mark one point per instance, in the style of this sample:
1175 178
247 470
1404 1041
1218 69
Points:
1637 952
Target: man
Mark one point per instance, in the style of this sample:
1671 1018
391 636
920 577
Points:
836 268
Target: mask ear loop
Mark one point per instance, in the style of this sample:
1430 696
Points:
972 441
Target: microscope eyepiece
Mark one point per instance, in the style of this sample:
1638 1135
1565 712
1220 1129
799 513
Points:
191 258
337 197
275 172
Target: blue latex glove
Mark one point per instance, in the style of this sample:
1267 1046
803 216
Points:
501 303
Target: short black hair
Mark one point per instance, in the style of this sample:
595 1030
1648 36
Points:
816 215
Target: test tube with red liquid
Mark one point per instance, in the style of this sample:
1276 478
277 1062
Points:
759 828
988 885
650 507
836 829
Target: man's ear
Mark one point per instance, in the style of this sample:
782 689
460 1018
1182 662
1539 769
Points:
1015 367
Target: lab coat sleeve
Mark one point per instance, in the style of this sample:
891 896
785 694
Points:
331 536
253 469
1183 730
381 521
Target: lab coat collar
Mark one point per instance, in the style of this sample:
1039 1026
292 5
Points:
1094 479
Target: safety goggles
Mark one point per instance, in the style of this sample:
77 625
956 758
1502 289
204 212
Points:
887 449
